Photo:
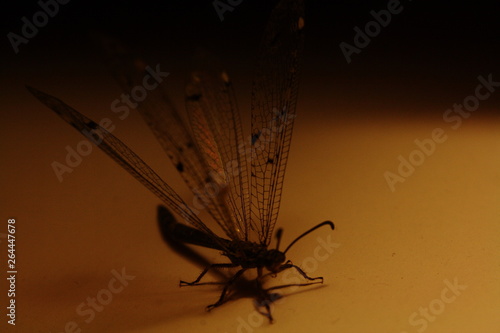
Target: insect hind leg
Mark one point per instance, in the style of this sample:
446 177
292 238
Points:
226 288
205 271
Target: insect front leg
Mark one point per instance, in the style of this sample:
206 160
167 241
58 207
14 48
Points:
205 271
289 264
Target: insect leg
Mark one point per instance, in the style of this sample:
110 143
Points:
226 287
289 264
292 285
205 271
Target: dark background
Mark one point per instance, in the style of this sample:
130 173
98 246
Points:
427 58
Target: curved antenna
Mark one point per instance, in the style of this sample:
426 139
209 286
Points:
330 223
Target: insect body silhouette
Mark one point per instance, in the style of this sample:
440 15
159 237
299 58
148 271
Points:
238 182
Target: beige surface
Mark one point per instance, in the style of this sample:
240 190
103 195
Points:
394 250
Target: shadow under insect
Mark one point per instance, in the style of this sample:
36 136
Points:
244 255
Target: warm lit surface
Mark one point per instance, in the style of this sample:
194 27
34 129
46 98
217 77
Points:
395 249
395 253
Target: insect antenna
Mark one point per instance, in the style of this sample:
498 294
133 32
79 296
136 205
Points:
330 223
279 233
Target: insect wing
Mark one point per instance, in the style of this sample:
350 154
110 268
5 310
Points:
188 156
274 98
216 124
124 156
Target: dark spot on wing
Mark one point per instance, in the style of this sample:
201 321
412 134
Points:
190 144
256 137
92 124
194 97
270 161
180 167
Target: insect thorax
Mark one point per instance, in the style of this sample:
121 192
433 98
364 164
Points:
254 255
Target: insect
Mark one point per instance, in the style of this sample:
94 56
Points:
239 182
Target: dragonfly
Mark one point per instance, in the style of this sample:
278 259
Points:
238 182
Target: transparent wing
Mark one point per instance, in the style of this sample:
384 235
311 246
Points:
274 98
171 132
125 157
216 125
